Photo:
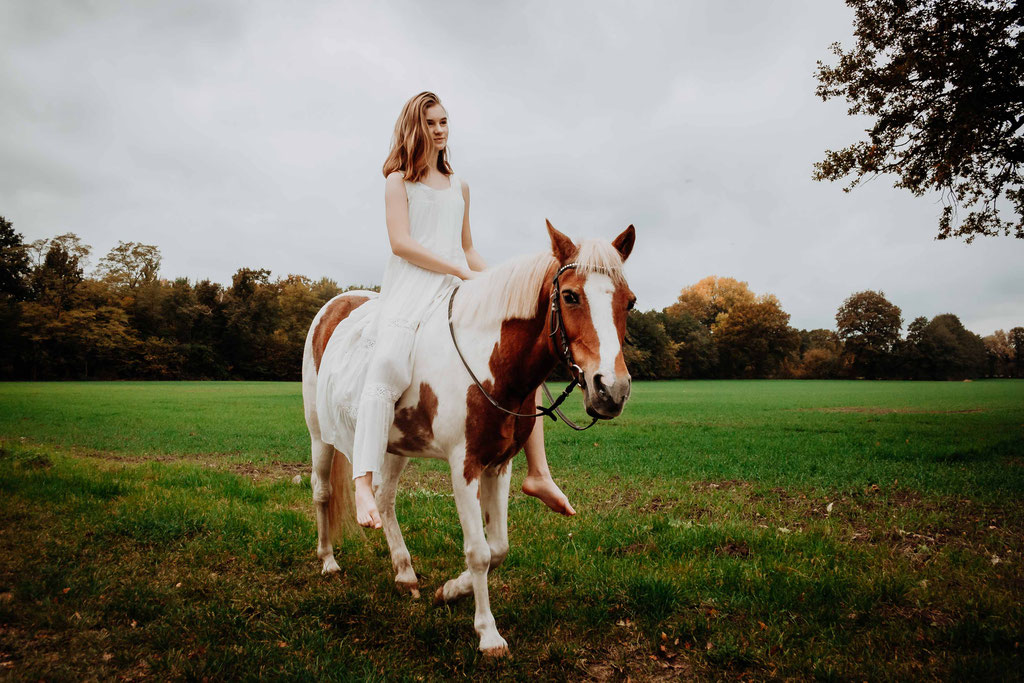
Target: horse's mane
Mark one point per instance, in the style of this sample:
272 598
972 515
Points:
512 289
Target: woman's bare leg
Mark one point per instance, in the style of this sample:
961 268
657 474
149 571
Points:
366 506
538 481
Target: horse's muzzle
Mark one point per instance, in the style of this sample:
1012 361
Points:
605 400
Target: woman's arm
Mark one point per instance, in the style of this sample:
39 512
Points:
396 212
473 258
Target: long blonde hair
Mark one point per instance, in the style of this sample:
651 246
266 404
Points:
411 144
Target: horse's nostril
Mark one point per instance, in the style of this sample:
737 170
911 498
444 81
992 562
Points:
599 385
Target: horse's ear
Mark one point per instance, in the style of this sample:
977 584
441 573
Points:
561 246
624 242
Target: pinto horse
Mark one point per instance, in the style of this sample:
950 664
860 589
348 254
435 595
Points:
506 334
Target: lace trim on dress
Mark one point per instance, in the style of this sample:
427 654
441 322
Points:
382 392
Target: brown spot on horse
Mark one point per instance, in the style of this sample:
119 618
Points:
416 423
337 310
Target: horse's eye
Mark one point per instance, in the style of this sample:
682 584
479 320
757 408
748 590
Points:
631 304
570 297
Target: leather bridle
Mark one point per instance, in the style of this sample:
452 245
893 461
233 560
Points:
556 325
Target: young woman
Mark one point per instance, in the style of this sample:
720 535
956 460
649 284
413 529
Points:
427 214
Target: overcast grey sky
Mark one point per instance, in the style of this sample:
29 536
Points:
252 133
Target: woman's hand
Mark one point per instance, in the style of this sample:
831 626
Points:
466 274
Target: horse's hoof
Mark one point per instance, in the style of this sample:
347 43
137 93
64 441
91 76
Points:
330 566
439 597
413 589
492 645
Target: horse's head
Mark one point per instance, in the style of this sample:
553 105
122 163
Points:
594 300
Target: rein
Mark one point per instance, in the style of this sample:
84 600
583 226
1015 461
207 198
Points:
557 325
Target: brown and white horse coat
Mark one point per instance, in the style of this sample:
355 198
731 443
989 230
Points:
501 319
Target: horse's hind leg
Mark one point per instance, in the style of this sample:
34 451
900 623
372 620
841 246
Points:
323 457
391 470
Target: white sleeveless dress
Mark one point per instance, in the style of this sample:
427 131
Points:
368 360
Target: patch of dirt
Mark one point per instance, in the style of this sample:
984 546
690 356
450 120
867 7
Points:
619 499
272 470
971 527
638 548
785 498
626 661
27 460
731 549
121 457
727 485
657 504
916 616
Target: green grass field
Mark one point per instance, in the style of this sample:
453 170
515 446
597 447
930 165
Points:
741 530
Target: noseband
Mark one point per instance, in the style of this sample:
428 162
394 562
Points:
556 326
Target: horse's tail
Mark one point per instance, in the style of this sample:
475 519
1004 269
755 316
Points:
341 510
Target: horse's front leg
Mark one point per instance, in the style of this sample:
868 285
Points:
494 488
478 560
391 470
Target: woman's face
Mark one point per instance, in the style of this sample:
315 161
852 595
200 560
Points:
437 125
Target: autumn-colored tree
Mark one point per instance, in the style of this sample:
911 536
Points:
820 355
869 326
819 364
941 80
70 243
161 358
130 264
754 338
1001 355
75 343
300 299
54 281
710 298
820 339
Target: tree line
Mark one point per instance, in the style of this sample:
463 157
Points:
124 321
719 328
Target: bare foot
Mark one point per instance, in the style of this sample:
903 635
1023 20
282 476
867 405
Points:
366 507
544 487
